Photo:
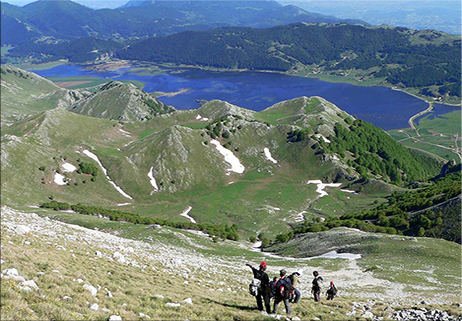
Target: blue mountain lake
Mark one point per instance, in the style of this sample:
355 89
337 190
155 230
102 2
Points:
382 106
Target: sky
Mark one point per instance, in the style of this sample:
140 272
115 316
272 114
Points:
117 3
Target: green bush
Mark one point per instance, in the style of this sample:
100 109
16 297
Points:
218 230
88 168
265 242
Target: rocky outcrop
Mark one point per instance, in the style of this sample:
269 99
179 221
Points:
121 101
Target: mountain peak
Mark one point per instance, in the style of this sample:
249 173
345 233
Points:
215 109
138 3
122 101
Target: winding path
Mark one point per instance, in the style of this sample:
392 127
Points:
411 120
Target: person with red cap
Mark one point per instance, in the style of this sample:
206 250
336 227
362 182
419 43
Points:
264 289
331 291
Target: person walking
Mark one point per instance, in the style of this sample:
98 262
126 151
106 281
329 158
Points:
283 288
331 291
263 293
295 297
316 286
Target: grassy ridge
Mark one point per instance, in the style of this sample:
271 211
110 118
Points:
222 231
401 214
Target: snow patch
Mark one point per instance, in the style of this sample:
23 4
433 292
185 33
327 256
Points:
268 155
199 117
256 246
60 179
300 217
185 214
321 186
336 255
153 180
125 132
123 204
348 191
69 168
323 138
96 159
230 158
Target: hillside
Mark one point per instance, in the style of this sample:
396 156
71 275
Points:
77 50
65 19
25 93
124 102
198 161
90 273
393 56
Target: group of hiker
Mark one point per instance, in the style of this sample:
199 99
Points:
283 288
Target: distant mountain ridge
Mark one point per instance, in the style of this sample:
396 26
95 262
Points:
427 60
65 19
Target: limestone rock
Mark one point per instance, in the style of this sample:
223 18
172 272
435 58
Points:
31 284
368 315
22 229
187 301
10 272
90 288
119 257
94 307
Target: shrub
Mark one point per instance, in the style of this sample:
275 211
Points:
265 242
421 232
88 168
42 168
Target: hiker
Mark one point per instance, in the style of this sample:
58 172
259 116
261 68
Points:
316 288
283 289
260 286
273 286
331 291
295 295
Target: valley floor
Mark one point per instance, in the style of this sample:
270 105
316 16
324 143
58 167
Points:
168 280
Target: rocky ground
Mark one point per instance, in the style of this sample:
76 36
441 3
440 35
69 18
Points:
90 282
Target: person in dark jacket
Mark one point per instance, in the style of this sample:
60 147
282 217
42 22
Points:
316 286
283 280
331 291
264 290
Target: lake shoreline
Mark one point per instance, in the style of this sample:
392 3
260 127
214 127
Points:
182 87
167 66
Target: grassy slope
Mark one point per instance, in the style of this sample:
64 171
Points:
414 262
41 94
135 287
192 173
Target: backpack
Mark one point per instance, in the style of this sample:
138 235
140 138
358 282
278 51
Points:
332 290
291 278
254 287
284 289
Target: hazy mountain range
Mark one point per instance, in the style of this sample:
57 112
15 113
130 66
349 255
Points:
63 19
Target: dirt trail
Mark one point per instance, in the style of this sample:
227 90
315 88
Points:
411 120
